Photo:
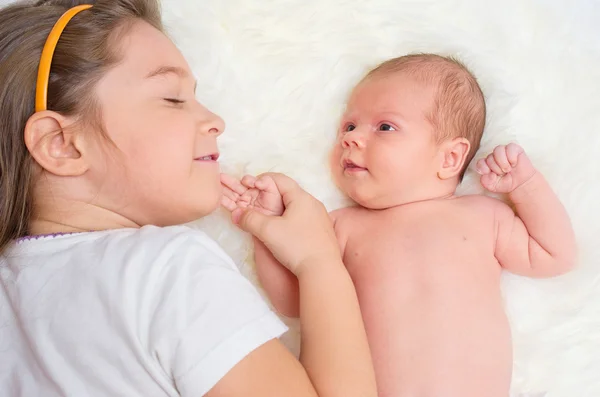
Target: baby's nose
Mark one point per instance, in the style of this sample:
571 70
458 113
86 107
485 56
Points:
353 139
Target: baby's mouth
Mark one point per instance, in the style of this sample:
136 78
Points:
351 166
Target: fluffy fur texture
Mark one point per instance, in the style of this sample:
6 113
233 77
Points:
279 73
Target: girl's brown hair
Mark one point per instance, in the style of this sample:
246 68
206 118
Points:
87 48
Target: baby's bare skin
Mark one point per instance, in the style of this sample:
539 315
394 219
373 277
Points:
426 264
428 286
427 275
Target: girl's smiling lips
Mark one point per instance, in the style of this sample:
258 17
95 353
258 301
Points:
208 157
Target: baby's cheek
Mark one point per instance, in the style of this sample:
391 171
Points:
384 164
334 157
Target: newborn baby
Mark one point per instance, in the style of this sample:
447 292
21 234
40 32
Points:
426 263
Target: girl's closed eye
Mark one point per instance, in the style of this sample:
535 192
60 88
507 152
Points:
174 101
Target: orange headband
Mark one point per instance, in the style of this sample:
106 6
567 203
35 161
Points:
41 90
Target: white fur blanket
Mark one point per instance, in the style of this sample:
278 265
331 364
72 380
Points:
278 72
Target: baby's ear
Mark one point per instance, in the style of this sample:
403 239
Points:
54 144
453 154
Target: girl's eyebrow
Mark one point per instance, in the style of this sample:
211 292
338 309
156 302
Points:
162 70
176 70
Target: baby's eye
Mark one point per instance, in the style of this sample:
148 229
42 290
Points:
349 127
386 127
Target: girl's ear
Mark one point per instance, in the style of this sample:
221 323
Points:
55 145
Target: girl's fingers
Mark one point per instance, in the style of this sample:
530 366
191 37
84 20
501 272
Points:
248 181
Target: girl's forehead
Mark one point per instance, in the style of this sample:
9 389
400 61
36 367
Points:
148 57
147 52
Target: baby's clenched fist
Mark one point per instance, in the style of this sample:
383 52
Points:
505 169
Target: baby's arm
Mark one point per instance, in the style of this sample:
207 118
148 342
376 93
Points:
539 240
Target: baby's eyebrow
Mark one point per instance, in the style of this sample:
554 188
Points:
393 114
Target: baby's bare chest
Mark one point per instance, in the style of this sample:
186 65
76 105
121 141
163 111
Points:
428 287
419 249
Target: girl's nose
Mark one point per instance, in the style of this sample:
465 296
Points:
212 124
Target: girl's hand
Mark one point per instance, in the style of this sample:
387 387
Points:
259 193
302 236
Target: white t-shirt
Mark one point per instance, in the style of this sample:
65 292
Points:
148 312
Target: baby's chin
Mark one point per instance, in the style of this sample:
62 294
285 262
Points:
366 203
366 199
359 198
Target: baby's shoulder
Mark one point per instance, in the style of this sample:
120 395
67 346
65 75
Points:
344 220
345 215
480 205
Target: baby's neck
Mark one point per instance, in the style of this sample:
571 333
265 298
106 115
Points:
424 199
440 191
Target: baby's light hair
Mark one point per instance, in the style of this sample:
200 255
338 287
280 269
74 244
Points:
459 107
